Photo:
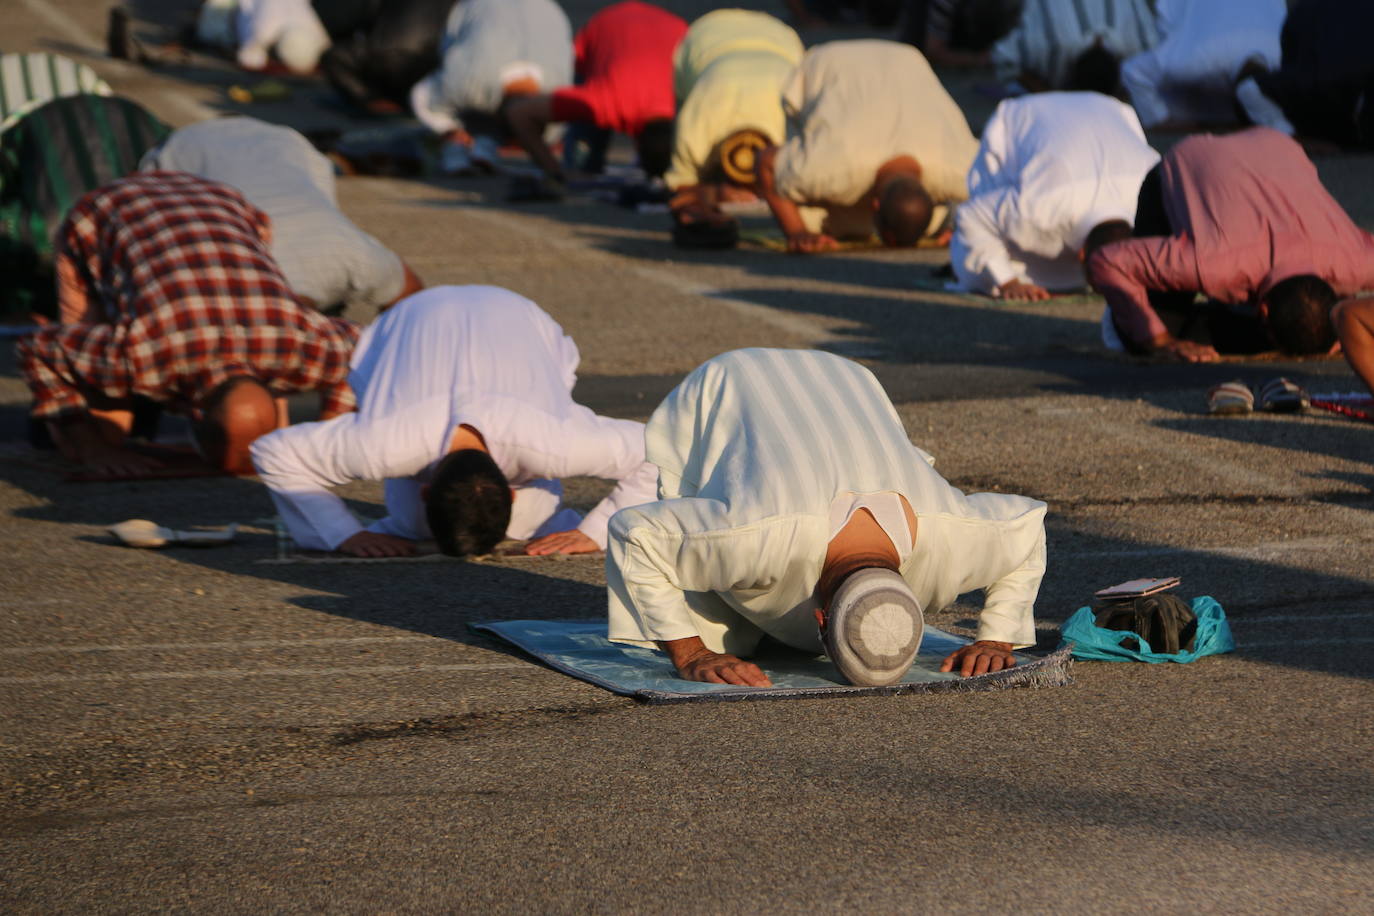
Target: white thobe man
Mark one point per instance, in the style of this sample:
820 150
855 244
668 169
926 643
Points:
1051 168
1190 76
780 473
491 50
450 369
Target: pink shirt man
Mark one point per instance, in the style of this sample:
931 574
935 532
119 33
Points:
1248 211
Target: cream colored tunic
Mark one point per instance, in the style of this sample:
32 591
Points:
853 105
728 75
752 449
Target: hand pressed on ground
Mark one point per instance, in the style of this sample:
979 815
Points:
573 541
982 657
1186 351
695 662
1019 291
811 243
375 544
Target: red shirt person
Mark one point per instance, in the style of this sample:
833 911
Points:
168 291
1251 226
624 64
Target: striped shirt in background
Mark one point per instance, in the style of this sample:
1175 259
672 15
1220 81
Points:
169 289
1053 33
29 80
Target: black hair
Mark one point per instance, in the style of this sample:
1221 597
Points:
979 24
1299 316
468 506
904 212
1105 233
655 146
1095 70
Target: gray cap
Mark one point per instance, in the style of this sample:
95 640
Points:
873 628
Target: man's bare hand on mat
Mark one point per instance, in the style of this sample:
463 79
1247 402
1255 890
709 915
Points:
573 541
811 243
982 657
1019 291
695 662
375 544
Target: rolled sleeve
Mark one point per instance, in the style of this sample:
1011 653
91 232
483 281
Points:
979 250
1125 272
41 364
1008 605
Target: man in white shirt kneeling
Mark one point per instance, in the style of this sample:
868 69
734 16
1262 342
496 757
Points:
465 409
1057 173
792 504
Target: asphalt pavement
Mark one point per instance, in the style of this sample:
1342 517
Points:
197 730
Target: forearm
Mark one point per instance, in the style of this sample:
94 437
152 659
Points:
633 490
1128 299
1008 606
527 117
682 651
978 253
1355 324
785 211
46 369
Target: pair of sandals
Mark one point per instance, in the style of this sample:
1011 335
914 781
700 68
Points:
1278 395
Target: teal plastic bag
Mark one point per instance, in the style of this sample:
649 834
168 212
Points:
1093 643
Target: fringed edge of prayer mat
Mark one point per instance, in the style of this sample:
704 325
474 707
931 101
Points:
1052 670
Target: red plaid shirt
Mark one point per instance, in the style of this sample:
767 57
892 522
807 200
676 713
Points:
179 292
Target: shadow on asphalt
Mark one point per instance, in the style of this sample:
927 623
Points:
1350 440
440 599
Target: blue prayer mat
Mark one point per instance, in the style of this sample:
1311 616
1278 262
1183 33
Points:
580 648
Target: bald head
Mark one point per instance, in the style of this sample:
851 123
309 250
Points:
232 416
904 212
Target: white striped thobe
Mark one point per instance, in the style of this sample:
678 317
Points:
752 448
30 80
1190 75
1053 33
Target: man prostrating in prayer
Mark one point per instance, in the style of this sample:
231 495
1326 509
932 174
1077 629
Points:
793 504
465 409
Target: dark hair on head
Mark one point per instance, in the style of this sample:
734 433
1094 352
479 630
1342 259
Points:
904 212
655 146
980 24
1105 233
210 430
1299 314
468 506
1095 70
